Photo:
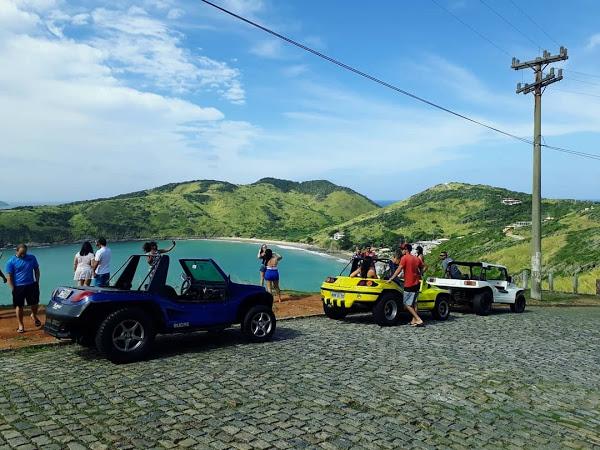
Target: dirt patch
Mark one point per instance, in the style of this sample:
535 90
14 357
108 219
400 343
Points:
291 306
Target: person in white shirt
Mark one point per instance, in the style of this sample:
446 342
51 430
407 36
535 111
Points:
82 265
101 264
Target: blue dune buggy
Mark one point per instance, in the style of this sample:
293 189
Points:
122 320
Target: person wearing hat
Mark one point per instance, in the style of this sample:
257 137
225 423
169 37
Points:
411 266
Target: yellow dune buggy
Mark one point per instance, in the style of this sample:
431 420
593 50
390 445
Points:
343 295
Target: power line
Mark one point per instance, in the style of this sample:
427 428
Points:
578 93
581 73
577 80
389 85
482 36
572 152
535 23
511 24
501 49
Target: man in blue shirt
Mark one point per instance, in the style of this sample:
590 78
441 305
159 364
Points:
23 273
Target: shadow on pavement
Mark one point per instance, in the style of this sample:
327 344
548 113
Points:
198 342
367 319
496 310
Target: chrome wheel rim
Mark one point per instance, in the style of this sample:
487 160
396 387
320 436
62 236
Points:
390 310
261 324
128 335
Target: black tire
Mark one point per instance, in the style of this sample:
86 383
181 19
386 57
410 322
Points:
126 335
519 305
334 312
482 303
259 323
387 309
441 309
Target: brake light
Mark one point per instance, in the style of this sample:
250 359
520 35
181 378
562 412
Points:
80 296
470 283
369 283
330 280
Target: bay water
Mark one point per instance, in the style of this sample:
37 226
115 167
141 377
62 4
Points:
300 270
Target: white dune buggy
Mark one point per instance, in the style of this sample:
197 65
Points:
480 285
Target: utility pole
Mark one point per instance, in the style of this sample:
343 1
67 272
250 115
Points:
538 65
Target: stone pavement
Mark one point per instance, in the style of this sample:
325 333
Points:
502 381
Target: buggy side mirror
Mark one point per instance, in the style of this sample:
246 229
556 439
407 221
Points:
509 279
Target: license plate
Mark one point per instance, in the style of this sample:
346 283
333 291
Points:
338 295
64 293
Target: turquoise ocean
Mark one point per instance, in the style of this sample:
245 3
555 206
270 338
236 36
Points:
300 270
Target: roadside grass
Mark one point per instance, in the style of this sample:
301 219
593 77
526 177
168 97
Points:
564 298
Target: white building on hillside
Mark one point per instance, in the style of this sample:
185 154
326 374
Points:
511 201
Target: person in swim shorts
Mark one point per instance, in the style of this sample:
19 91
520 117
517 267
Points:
272 272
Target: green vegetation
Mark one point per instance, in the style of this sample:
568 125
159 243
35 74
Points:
269 208
473 217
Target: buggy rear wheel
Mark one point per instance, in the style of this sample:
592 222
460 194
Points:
482 303
126 335
334 312
387 310
519 305
441 309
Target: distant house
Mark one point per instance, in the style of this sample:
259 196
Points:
511 201
520 224
338 235
428 246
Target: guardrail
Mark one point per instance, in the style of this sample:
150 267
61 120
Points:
523 278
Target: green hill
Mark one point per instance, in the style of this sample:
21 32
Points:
269 208
473 217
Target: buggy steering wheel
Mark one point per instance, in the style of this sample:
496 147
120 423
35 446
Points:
185 286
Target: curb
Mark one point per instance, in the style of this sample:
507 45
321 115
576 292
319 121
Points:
302 317
36 346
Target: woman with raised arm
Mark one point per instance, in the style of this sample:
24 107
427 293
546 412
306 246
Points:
272 272
263 263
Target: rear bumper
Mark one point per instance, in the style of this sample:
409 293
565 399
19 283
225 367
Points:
62 319
61 329
346 299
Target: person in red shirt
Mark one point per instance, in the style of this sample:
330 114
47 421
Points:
412 268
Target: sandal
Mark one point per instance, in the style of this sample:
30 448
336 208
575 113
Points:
21 330
37 322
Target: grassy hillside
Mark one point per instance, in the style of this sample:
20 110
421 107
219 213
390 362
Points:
473 218
269 208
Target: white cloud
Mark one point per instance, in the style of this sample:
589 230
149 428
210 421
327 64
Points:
244 7
295 70
270 48
593 42
175 14
66 115
140 45
13 19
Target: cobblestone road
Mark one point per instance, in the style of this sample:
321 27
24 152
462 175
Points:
503 381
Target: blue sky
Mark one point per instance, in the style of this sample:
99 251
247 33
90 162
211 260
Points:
101 98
